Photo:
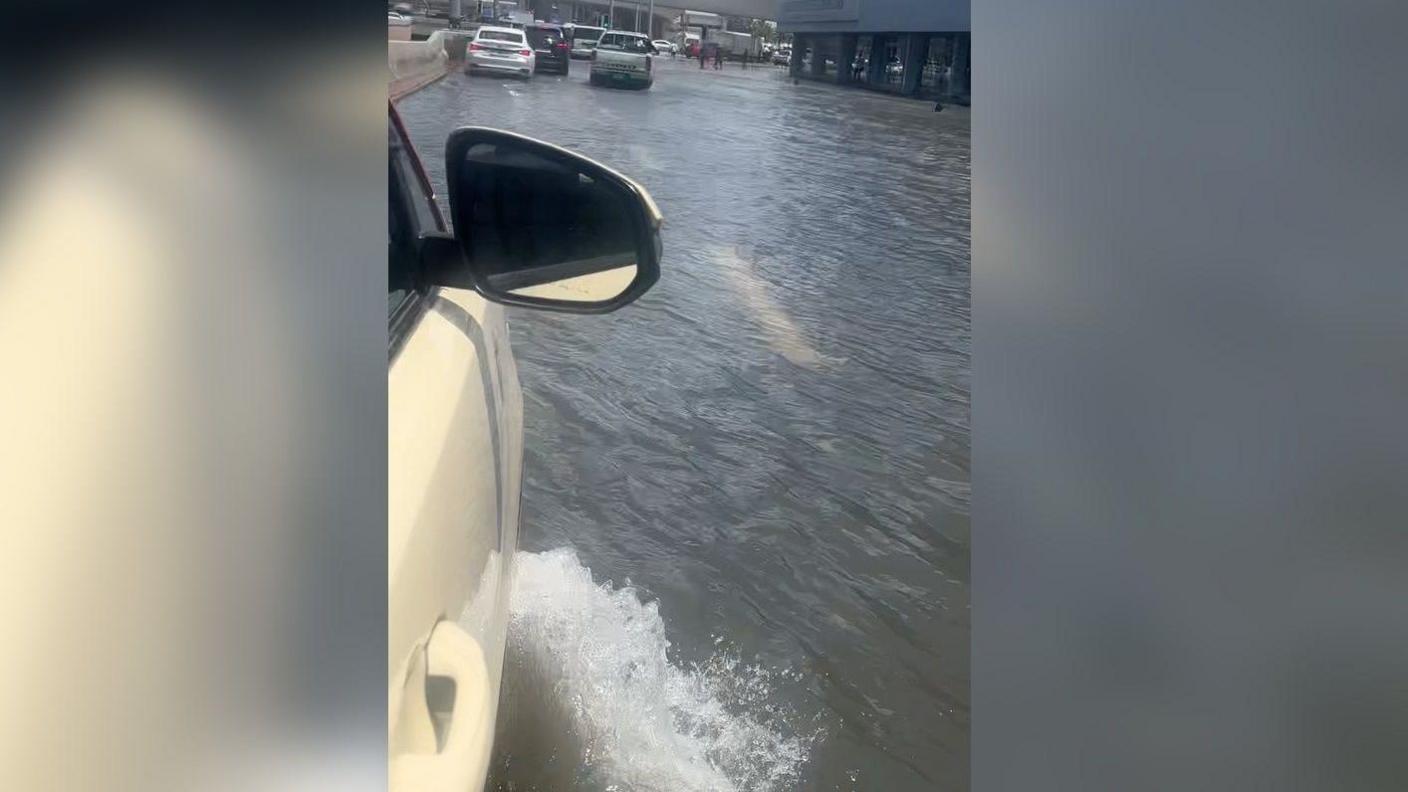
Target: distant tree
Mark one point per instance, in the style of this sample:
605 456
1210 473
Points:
762 30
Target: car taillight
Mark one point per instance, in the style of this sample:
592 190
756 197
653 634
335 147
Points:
525 53
475 47
560 45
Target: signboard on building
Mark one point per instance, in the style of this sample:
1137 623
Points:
873 16
818 11
700 19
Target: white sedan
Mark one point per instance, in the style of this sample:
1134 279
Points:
501 49
666 46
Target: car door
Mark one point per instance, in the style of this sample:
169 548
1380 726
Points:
454 461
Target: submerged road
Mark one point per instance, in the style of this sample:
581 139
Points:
773 444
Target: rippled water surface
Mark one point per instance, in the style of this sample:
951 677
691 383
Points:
746 495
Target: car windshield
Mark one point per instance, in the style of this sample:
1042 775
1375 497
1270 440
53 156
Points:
616 41
511 36
544 37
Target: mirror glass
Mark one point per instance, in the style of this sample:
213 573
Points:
539 225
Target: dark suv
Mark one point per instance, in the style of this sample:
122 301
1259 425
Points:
550 45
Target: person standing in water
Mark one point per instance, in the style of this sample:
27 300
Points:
718 57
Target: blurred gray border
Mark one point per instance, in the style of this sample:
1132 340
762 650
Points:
1190 292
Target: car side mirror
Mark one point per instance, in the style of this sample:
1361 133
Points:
541 227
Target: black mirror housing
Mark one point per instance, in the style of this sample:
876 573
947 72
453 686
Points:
539 226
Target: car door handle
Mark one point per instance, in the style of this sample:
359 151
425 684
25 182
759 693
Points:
463 759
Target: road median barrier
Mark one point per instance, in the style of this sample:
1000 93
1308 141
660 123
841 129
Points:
415 64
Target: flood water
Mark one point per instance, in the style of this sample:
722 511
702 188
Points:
746 496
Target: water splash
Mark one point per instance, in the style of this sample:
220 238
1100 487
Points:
593 702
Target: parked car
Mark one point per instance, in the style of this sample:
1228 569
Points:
782 56
583 39
535 226
622 58
666 46
550 47
500 49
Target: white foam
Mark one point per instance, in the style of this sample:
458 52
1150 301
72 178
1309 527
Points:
637 720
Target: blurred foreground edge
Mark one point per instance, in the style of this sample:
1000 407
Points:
192 481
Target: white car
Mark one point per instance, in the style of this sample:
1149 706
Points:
584 39
500 49
622 58
666 46
535 226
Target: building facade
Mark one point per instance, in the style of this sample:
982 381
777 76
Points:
910 47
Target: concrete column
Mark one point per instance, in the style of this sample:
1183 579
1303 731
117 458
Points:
821 45
875 70
844 58
914 48
799 45
961 72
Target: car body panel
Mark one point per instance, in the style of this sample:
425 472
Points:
454 477
582 48
516 65
454 473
